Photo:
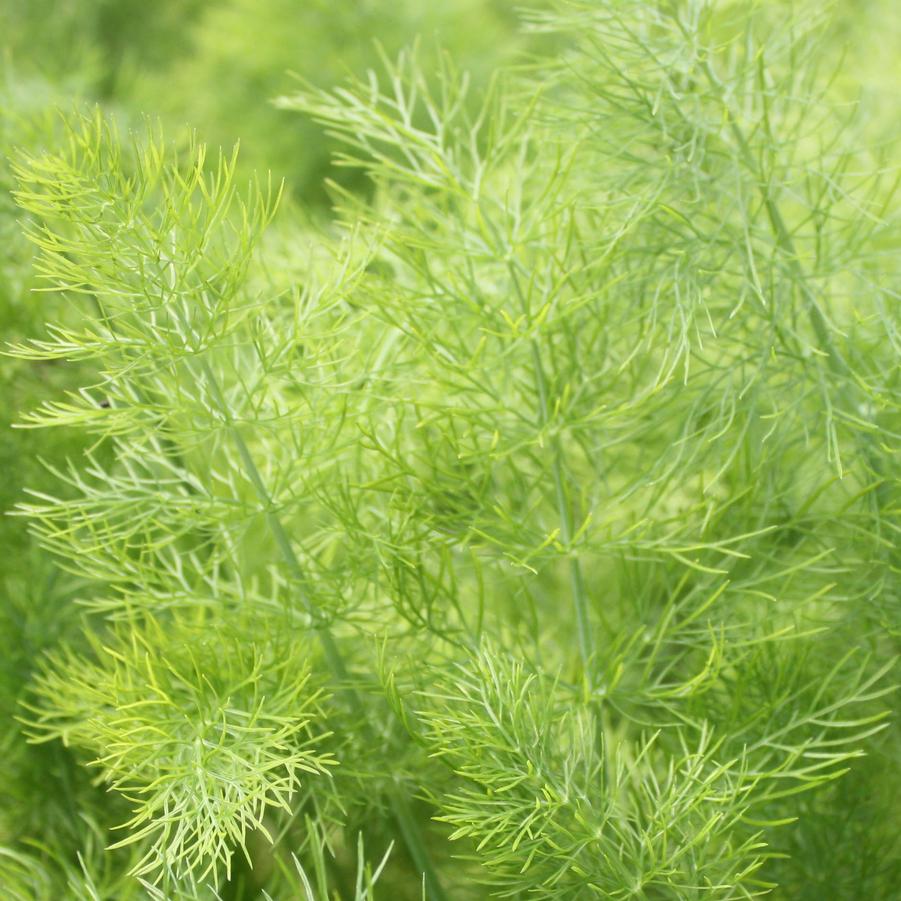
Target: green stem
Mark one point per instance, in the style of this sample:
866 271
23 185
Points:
399 807
564 511
785 242
818 322
584 630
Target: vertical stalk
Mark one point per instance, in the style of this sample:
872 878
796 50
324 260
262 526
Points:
584 631
399 805
785 242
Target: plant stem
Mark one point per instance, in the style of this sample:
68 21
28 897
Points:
399 805
784 241
564 510
584 630
818 322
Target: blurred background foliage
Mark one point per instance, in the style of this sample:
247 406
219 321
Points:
213 67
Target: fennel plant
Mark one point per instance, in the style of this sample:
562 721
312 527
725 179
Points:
533 524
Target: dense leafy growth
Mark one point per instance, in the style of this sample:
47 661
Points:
525 524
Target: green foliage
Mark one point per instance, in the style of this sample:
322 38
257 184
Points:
202 734
555 811
536 518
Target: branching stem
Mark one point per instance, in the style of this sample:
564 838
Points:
784 241
399 805
584 629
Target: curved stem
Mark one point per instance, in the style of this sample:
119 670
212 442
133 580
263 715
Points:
399 807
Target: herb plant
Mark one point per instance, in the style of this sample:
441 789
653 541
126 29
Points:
528 530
